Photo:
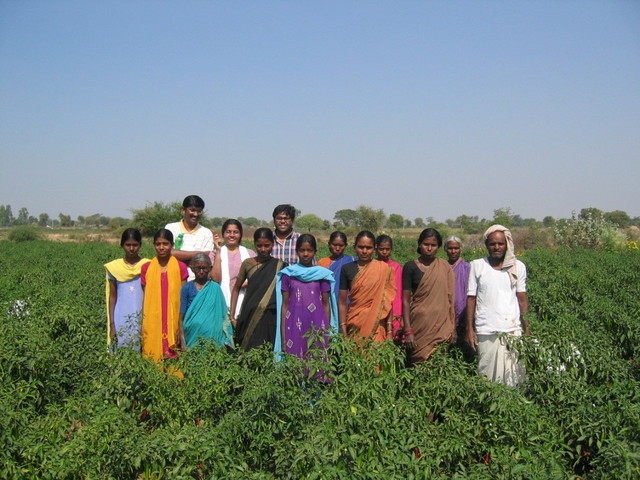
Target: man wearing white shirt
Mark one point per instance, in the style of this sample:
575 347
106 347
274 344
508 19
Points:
189 236
496 304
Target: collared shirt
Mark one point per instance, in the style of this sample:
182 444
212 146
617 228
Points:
285 249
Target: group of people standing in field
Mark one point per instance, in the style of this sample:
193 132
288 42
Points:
201 287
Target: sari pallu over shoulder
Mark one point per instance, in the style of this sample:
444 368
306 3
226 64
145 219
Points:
371 298
122 272
336 269
259 299
226 275
304 274
207 318
432 309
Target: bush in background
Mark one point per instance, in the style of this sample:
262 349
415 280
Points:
24 234
588 231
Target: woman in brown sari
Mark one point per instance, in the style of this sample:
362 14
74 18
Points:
367 290
428 299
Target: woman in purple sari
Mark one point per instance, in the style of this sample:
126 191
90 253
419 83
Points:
305 305
461 268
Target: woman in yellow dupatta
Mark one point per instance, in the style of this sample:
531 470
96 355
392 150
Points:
162 279
370 287
124 293
428 299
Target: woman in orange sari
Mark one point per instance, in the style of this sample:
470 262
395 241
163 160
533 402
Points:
370 287
428 299
162 278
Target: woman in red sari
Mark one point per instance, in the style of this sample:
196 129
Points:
370 287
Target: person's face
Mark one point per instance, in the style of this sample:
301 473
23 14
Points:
453 251
232 236
497 245
163 247
263 248
384 251
364 249
429 247
283 223
131 248
201 269
191 216
306 253
336 247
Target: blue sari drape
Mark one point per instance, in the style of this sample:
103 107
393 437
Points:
336 269
207 318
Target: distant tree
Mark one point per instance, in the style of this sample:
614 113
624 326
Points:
33 220
591 212
407 223
23 217
82 220
548 221
619 218
92 220
419 222
155 216
250 221
503 216
65 220
395 220
326 224
6 216
309 222
217 221
369 218
347 216
462 221
117 222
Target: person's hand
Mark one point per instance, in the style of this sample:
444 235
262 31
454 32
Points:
472 339
454 336
233 321
409 340
217 240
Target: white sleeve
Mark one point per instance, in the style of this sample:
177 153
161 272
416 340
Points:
521 281
472 287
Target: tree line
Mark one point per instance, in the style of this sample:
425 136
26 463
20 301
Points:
148 218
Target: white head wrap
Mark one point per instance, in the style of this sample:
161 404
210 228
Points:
509 262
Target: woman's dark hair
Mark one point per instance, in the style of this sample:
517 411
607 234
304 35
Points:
163 233
129 234
193 201
365 234
263 232
339 235
232 221
429 233
384 239
285 208
306 238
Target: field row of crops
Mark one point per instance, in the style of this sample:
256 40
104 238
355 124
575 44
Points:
68 409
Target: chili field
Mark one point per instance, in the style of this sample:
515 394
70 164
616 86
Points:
69 409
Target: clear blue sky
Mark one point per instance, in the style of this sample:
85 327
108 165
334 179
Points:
422 108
